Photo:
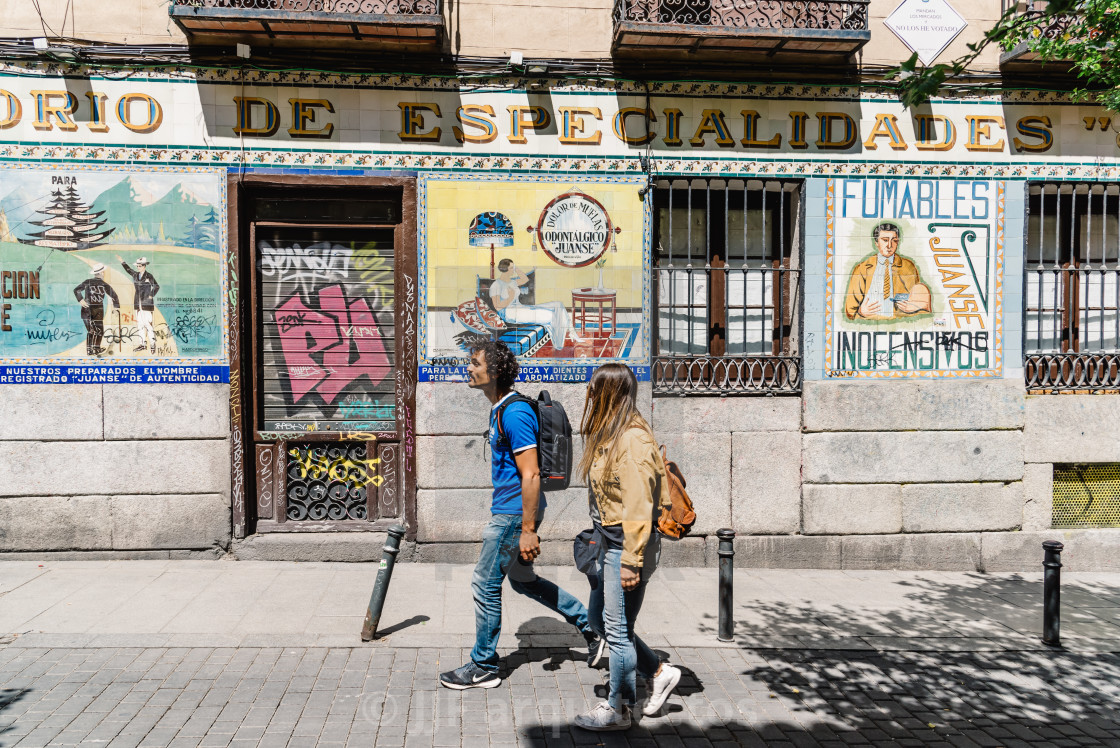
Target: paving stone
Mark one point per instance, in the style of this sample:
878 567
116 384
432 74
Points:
790 697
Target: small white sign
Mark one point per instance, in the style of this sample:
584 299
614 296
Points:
926 26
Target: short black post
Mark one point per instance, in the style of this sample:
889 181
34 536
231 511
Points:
1051 593
726 584
381 586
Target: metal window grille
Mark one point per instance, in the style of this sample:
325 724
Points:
728 284
1086 496
1072 287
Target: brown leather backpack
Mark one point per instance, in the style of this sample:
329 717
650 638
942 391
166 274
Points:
677 515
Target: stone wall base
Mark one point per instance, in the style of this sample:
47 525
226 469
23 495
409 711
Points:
1085 550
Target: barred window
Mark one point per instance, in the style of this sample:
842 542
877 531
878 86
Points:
1072 294
728 285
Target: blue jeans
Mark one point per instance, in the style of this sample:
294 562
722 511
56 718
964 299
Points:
613 611
499 557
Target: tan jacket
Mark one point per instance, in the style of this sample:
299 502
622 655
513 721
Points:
905 274
625 495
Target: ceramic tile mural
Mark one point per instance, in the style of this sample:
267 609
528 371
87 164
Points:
112 275
552 266
914 278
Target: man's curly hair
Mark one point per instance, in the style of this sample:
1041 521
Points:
501 364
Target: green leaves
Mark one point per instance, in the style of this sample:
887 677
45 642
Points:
1080 35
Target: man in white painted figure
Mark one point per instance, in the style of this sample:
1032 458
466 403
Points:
145 289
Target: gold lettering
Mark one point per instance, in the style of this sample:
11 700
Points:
15 111
44 110
245 105
619 125
712 123
571 123
927 132
412 122
824 138
466 114
1034 127
124 112
750 132
886 126
979 126
539 119
303 113
97 121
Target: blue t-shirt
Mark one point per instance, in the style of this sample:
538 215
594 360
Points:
519 432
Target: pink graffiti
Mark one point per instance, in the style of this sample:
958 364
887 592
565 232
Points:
320 352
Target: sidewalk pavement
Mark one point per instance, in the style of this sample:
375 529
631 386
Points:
279 604
205 654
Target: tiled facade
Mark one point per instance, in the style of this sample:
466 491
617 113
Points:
899 462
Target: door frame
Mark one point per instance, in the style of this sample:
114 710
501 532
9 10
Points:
242 333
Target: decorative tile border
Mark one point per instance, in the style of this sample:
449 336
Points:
747 166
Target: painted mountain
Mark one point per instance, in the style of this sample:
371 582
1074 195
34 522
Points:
19 206
178 217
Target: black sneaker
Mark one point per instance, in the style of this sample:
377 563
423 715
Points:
596 648
469 676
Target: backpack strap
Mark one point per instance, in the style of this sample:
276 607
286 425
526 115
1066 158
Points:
517 397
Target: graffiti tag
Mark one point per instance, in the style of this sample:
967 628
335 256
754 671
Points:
308 266
341 469
315 342
188 327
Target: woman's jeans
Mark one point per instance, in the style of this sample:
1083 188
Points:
499 557
612 612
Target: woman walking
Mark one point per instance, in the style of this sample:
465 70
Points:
626 477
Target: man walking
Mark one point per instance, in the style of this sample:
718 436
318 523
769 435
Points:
91 294
145 289
510 542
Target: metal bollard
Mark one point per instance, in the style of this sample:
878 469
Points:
381 586
1051 593
726 572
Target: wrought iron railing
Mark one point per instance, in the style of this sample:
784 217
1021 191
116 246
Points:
726 375
373 7
1058 24
845 15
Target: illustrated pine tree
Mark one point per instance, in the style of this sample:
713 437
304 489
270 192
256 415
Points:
68 223
202 233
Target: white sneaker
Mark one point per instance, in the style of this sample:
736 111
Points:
603 718
660 686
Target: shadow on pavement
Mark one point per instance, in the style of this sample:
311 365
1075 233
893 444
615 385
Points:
1006 609
956 663
381 633
8 696
544 639
807 697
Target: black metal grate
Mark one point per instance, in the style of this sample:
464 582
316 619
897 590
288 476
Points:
330 481
728 285
1072 286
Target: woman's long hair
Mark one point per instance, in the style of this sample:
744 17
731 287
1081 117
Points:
610 409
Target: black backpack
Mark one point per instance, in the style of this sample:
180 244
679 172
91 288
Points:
554 439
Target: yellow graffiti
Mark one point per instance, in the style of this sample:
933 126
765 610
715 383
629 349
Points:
341 469
377 273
